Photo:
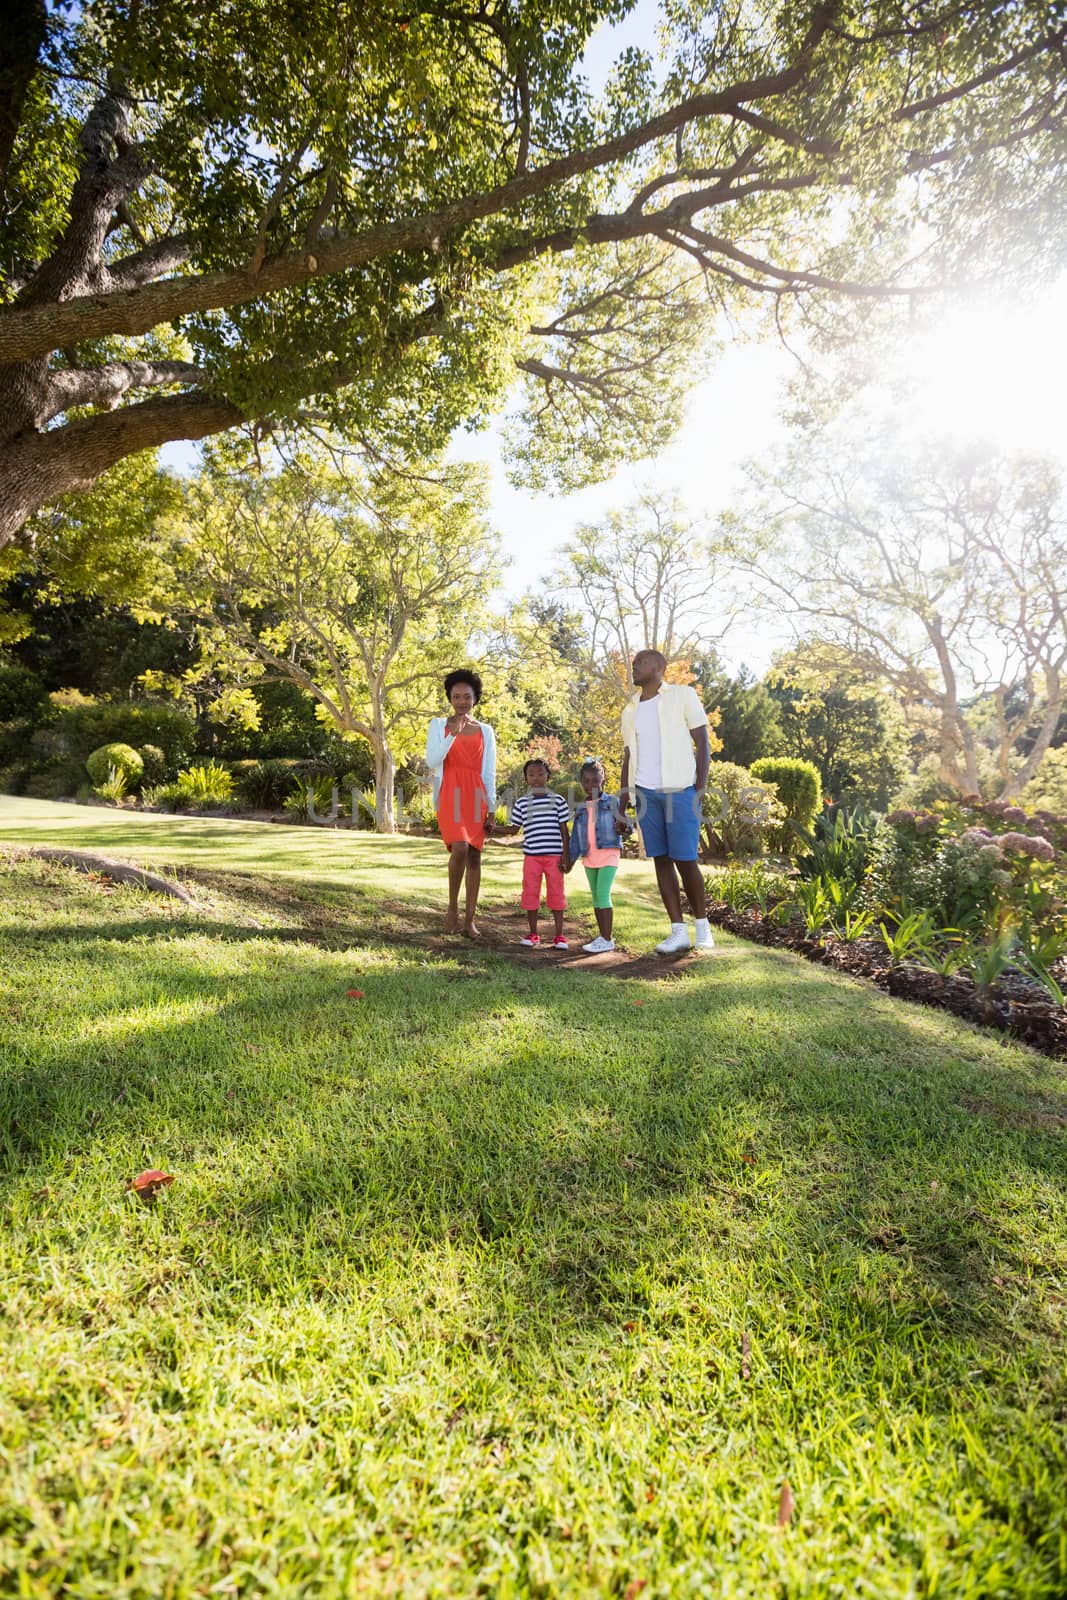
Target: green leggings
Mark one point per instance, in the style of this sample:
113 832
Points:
600 882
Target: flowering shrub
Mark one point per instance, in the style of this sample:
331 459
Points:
741 814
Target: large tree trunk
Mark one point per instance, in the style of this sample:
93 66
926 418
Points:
384 787
1015 782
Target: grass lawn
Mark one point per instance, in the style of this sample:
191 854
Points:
503 1279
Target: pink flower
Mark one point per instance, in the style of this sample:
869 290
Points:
1014 814
1025 845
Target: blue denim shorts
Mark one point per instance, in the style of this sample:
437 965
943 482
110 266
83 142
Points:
669 820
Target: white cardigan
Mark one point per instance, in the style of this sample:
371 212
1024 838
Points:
439 743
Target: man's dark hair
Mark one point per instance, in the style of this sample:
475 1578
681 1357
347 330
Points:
534 761
657 655
463 675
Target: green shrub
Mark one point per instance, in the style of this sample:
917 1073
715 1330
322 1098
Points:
114 785
312 794
23 696
741 813
903 848
419 809
1047 789
154 762
16 739
799 790
839 847
56 779
754 886
206 785
14 776
163 797
82 728
264 785
122 757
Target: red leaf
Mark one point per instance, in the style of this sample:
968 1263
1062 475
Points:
628 1327
355 994
750 1161
786 1504
148 1184
634 1589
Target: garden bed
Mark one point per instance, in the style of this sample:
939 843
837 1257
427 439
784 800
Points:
1014 1003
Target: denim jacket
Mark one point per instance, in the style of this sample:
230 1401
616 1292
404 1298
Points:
607 835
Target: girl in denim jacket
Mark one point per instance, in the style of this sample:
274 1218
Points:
595 836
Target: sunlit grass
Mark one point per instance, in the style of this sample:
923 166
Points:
502 1279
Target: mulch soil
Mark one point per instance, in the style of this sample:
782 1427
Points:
1014 1004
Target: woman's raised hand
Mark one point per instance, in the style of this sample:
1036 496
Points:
457 722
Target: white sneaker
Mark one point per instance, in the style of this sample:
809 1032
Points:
674 943
599 946
704 941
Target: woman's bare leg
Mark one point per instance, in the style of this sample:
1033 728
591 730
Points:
474 884
457 866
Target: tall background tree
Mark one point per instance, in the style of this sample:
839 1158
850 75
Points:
938 571
648 575
362 590
215 215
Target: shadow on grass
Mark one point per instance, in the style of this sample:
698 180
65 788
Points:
804 1129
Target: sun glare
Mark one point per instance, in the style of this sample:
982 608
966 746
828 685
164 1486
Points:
996 371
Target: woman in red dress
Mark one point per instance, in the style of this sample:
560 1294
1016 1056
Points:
461 755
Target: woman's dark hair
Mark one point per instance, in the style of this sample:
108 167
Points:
463 675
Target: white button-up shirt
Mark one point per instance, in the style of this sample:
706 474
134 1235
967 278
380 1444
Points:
680 711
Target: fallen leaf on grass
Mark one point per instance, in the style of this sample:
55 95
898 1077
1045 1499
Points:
633 1589
253 1049
355 994
628 1327
147 1184
786 1504
750 1161
746 1351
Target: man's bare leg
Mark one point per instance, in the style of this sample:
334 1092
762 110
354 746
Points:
693 884
670 893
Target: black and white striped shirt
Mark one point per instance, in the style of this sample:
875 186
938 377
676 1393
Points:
540 816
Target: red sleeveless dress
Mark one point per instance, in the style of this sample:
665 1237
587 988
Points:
461 805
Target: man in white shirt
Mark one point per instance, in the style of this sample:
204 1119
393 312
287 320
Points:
666 755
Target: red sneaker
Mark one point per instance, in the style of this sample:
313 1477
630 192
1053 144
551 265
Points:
560 943
532 940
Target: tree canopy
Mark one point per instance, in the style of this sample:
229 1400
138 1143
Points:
381 216
362 591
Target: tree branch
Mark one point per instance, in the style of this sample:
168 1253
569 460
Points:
34 329
153 261
106 385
